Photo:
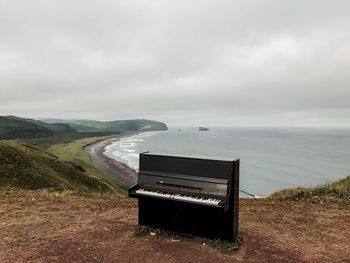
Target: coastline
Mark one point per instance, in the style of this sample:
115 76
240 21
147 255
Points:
120 172
123 174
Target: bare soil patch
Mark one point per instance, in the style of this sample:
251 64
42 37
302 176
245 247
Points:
58 228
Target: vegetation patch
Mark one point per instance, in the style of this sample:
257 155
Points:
338 191
47 142
223 246
28 167
51 195
74 152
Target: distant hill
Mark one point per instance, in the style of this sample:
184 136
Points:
11 128
57 128
112 126
27 167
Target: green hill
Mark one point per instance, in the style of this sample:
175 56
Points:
57 128
27 167
113 126
11 128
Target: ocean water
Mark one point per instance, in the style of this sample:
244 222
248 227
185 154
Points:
271 158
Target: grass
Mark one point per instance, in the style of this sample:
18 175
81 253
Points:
74 152
56 196
222 246
338 191
28 167
47 142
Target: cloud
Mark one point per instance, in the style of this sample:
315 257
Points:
225 63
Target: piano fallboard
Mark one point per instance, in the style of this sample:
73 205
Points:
183 182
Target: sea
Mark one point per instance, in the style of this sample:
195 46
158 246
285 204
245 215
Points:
271 159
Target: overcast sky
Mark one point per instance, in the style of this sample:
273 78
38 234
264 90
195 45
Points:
188 63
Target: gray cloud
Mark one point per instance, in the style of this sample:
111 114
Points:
225 63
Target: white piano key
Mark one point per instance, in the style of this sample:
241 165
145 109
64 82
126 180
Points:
193 199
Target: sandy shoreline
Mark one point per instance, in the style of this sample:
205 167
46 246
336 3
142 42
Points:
125 176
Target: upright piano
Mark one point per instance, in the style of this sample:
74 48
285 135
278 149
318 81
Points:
188 195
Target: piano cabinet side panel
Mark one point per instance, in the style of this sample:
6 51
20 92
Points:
230 219
235 208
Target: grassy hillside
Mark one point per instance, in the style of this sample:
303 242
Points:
113 126
47 142
12 127
56 128
16 128
27 167
137 125
74 152
336 191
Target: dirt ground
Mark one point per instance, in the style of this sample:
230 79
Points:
54 228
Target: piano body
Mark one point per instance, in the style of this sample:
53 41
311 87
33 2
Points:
186 195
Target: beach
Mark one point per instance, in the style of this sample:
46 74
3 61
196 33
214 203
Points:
125 176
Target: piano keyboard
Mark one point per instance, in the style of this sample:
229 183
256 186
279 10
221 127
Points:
193 199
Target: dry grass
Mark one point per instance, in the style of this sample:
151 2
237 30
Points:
42 226
338 191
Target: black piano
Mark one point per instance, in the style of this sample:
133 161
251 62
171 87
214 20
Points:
186 195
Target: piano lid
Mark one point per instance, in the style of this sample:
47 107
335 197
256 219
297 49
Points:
192 156
157 163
